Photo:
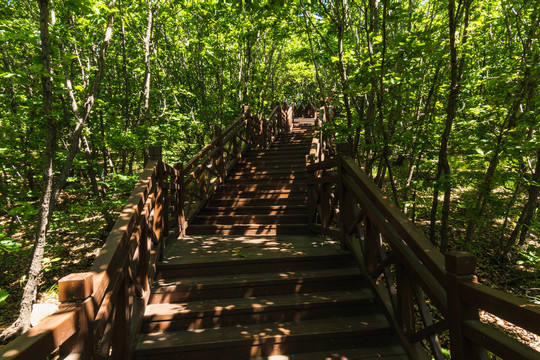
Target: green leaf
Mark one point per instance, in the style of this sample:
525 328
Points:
3 296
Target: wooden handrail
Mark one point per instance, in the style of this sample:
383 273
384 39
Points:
102 310
406 270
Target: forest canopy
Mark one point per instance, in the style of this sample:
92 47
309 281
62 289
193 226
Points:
439 100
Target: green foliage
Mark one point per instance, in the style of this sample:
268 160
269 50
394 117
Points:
8 245
209 58
530 257
3 296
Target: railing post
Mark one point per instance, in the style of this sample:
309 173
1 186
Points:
180 214
76 290
274 125
405 300
461 268
220 161
311 190
121 320
264 134
346 216
250 126
156 153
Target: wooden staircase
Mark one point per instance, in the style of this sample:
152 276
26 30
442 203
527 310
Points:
248 282
264 195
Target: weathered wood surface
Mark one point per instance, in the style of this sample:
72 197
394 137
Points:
239 297
406 270
106 323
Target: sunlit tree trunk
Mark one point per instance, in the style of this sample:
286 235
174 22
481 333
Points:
52 186
442 178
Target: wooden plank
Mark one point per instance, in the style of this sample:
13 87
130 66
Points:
413 236
430 284
236 336
326 164
520 312
44 338
325 179
498 342
335 234
121 231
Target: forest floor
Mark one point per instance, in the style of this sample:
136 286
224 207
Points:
78 232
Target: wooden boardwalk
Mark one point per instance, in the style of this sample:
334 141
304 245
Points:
249 282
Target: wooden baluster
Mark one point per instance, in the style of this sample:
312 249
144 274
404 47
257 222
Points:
202 183
121 329
326 207
311 191
264 134
220 161
274 130
345 206
405 299
76 290
235 146
144 256
249 126
155 153
461 268
372 239
180 210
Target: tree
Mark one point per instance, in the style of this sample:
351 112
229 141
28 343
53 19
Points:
52 186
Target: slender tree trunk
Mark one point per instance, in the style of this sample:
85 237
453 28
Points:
52 186
90 166
22 323
529 210
127 87
145 94
442 179
526 92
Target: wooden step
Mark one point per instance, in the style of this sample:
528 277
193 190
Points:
242 342
249 219
212 255
255 210
279 153
249 229
176 290
259 195
275 162
274 182
289 147
255 309
279 172
256 186
263 193
389 352
260 176
292 200
244 166
297 142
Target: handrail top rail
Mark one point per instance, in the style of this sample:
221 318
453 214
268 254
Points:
514 309
413 237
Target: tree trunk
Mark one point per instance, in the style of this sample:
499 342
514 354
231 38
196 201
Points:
442 179
528 212
52 186
22 323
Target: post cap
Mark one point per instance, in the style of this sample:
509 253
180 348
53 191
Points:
344 149
460 262
75 287
155 152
